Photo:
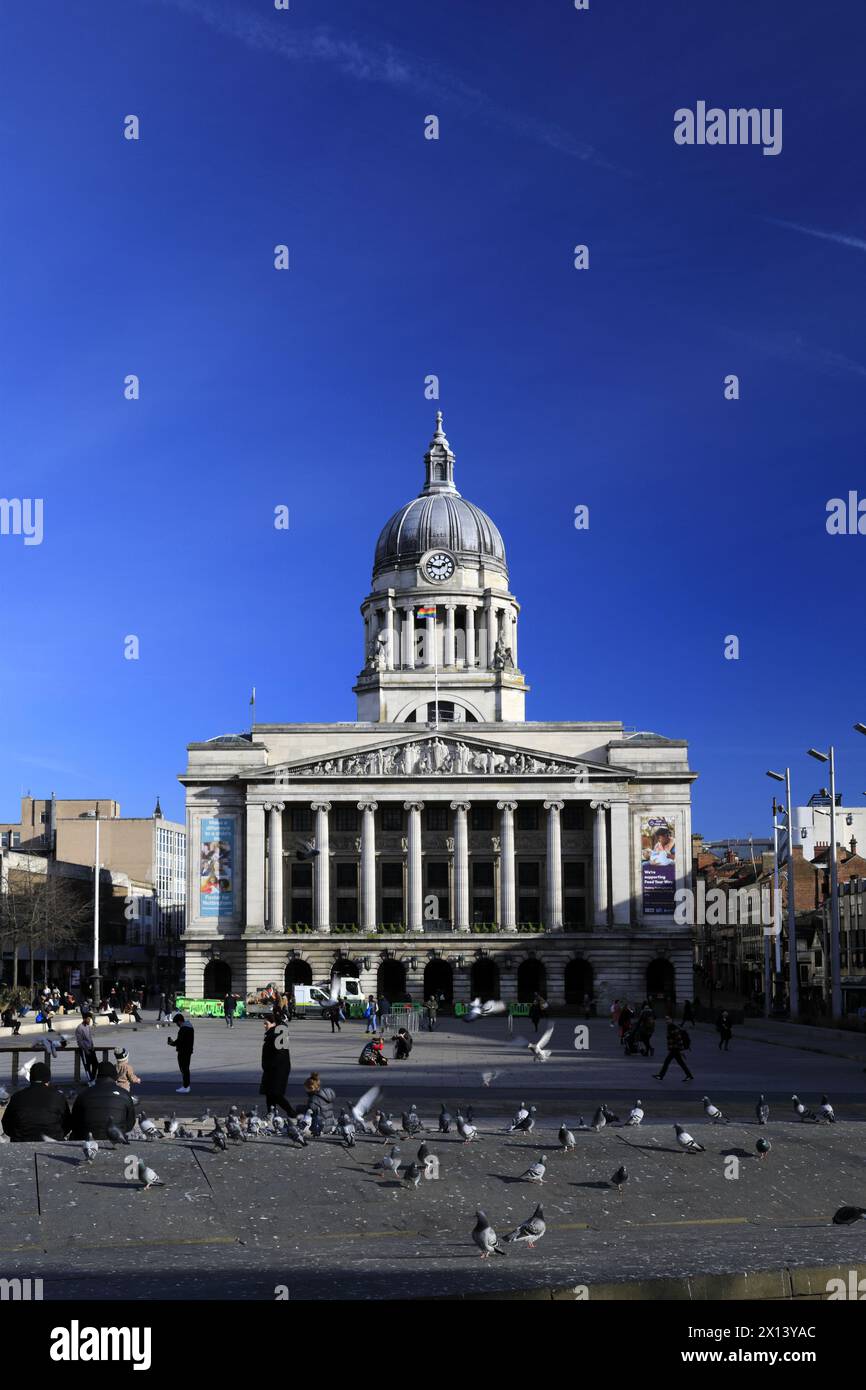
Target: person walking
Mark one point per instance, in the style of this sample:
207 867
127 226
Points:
38 1111
725 1030
645 1028
536 1009
276 1069
229 1010
184 1043
334 1014
86 1046
688 1013
626 1014
678 1042
432 1008
370 1014
614 1013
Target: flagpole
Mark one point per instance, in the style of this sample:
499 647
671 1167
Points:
436 672
253 707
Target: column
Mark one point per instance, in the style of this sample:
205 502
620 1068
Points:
389 629
513 614
255 867
620 863
409 637
508 906
414 901
322 869
430 640
488 642
448 655
368 865
554 865
461 865
599 863
275 864
470 634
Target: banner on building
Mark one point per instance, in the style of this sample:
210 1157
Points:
216 867
658 869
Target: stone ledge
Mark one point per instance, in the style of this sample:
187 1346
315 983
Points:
765 1286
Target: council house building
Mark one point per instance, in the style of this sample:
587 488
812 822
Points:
441 842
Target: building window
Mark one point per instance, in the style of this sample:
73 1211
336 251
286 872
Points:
300 818
345 816
526 816
573 815
347 877
481 816
436 816
391 816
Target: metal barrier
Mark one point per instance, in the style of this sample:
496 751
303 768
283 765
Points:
401 1018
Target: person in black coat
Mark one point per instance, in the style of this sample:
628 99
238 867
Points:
276 1068
184 1042
104 1103
38 1112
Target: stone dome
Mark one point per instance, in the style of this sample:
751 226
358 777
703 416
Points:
439 517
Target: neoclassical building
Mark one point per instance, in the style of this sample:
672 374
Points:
441 841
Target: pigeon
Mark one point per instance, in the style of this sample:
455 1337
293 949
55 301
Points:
802 1110
539 1049
306 851
147 1127
304 1121
488 1077
423 1154
599 1119
635 1115
826 1111
619 1179
115 1134
365 1104
233 1130
90 1148
846 1216
486 1010
4 1096
524 1122
535 1172
317 1126
293 1133
412 1175
465 1129
685 1141
485 1237
445 1121
170 1125
384 1127
146 1176
411 1121
218 1139
531 1230
390 1163
346 1127
763 1147
204 1117
566 1138
611 1118
762 1111
711 1111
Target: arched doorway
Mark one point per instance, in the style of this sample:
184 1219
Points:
298 972
661 982
391 981
531 980
217 979
578 982
439 979
350 968
484 980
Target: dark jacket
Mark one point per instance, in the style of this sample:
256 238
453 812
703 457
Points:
676 1039
95 1108
39 1110
323 1102
276 1066
229 1006
184 1042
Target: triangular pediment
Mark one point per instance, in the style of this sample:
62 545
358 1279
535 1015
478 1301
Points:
437 754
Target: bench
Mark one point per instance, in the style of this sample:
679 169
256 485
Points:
43 1056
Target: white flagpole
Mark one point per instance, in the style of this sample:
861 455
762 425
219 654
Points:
436 668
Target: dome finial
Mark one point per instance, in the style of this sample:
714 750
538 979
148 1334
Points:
439 429
439 461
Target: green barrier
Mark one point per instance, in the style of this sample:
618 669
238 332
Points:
208 1008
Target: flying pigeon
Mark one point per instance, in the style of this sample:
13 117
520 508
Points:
540 1051
762 1111
362 1106
826 1111
486 1010
566 1138
412 1175
115 1134
488 1077
465 1129
390 1163
685 1141
531 1230
90 1148
444 1121
485 1237
306 851
619 1179
535 1172
711 1111
763 1147
146 1176
846 1216
803 1111
635 1115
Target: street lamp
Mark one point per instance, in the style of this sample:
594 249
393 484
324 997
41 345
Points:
835 966
793 975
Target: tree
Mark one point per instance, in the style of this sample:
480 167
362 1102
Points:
39 908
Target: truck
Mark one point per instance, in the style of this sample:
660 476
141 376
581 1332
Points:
305 998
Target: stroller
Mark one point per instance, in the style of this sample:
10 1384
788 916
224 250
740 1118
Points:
632 1040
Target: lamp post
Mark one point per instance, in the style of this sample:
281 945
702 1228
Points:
793 972
96 981
835 966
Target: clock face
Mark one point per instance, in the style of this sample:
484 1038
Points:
439 566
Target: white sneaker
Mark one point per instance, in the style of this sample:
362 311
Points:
182 1091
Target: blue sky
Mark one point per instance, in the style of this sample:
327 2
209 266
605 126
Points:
411 257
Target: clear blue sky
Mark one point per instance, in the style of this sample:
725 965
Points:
411 257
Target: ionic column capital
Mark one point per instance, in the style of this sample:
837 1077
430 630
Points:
320 806
461 805
506 805
275 805
413 805
554 805
368 805
600 805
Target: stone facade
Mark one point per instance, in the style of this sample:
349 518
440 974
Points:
441 841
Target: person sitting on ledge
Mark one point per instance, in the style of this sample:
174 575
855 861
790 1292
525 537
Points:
37 1112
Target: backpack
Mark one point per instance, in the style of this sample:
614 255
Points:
686 1040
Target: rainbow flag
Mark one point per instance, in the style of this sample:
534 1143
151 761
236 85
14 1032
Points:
427 612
